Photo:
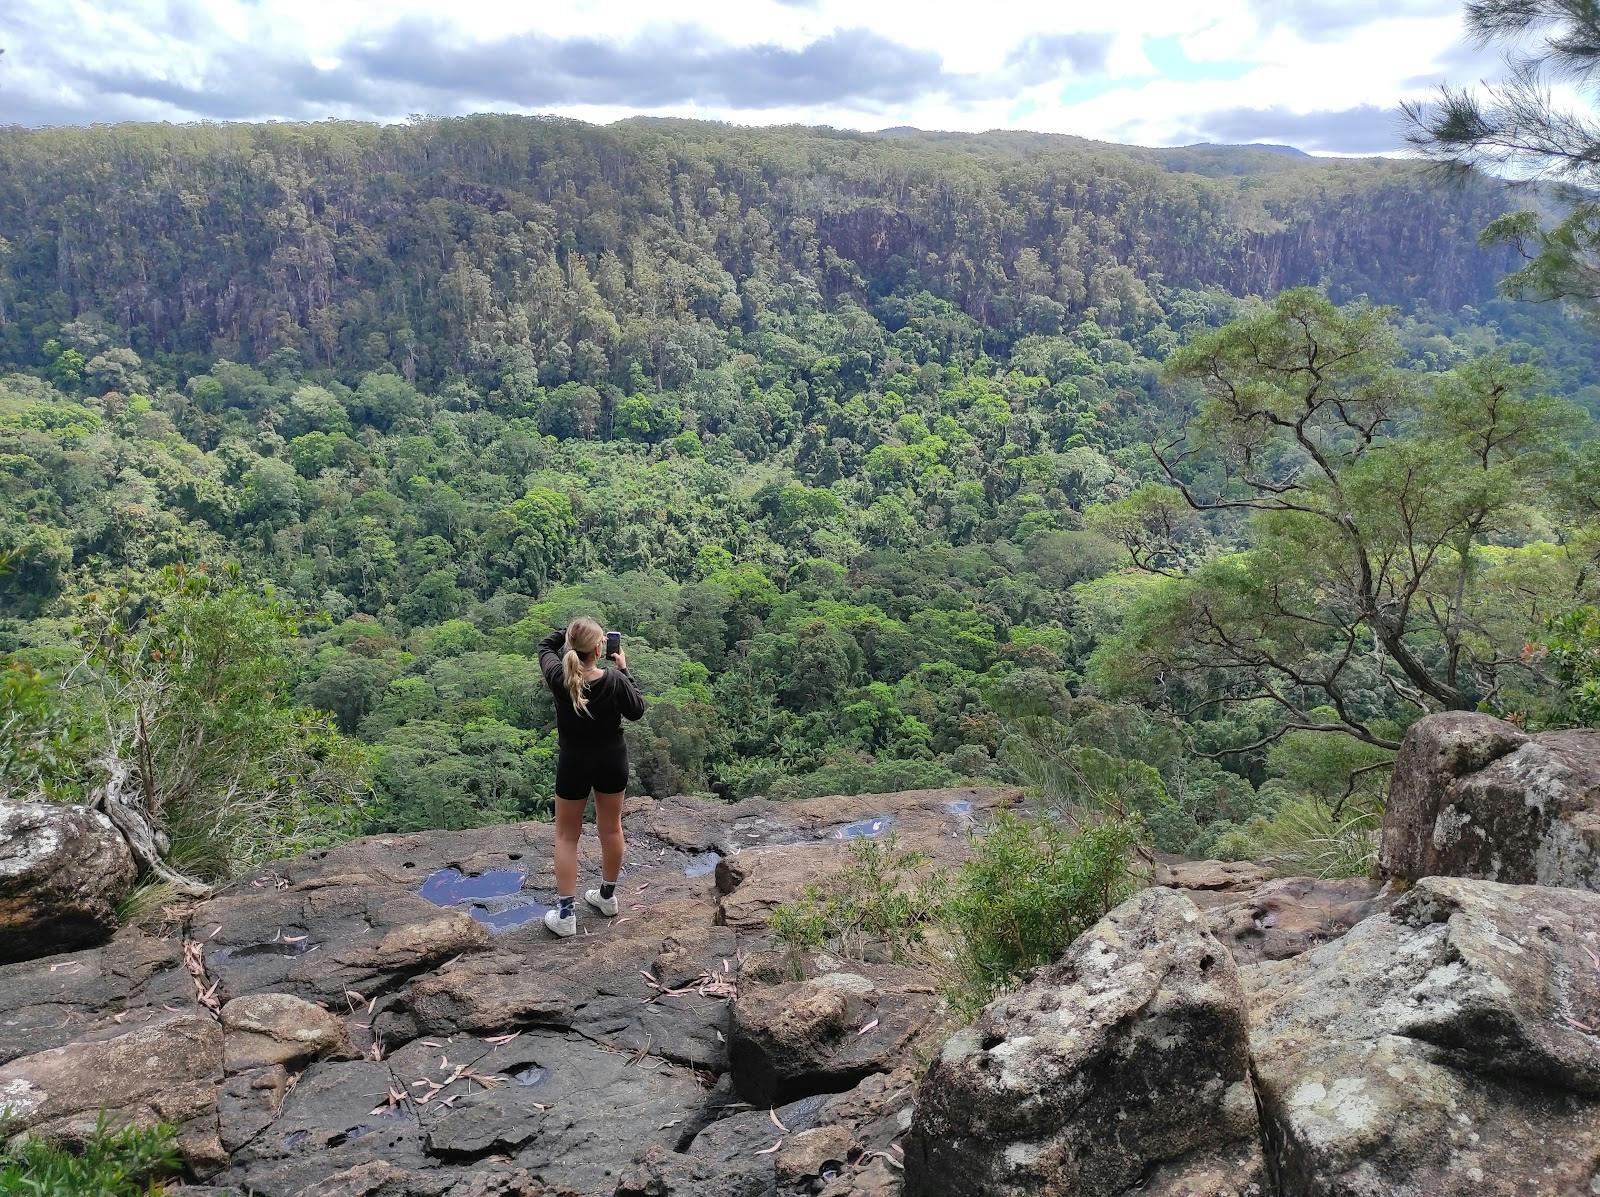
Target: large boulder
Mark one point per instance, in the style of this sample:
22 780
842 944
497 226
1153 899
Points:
264 1029
1127 1058
63 869
1472 796
1448 1047
826 1033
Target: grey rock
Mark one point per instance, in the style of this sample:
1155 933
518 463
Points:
322 943
1437 1050
1284 917
1474 797
53 1000
569 1111
263 1029
826 1033
635 983
1128 1054
63 869
336 1118
165 1068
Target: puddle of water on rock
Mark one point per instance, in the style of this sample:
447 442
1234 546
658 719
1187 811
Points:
960 807
272 947
530 1076
508 917
866 829
448 887
295 1138
699 866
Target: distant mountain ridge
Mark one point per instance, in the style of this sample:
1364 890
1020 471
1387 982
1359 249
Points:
435 242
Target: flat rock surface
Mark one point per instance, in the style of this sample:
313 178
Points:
53 1000
1285 916
389 1017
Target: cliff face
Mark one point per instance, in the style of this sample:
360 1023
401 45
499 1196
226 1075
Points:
392 1013
446 238
390 1018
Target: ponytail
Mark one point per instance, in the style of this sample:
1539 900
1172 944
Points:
583 645
572 671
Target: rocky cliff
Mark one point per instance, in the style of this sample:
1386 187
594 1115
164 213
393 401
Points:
390 1017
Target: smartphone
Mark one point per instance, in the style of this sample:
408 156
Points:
613 644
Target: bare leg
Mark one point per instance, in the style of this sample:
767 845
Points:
608 822
569 827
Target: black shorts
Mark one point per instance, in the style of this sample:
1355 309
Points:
579 770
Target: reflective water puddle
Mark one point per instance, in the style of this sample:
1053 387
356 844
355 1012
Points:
699 866
866 829
494 897
448 887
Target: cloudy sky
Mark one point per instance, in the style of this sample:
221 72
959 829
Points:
1324 75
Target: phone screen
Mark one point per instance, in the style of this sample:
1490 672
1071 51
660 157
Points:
613 643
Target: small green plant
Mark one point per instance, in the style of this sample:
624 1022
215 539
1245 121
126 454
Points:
131 1162
882 898
1572 645
36 738
1032 886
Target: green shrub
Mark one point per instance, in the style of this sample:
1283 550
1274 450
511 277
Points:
1573 646
878 899
126 1163
1031 888
36 737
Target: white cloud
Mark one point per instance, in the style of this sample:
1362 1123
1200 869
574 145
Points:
1154 71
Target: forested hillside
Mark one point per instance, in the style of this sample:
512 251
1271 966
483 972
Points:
461 247
897 460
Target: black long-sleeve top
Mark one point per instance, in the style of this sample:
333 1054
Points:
613 697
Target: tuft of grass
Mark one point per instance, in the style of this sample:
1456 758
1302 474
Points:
1306 838
882 898
131 1162
1031 887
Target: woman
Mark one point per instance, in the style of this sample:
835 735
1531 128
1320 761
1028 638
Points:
591 704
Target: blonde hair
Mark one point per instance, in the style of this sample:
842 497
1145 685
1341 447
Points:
583 644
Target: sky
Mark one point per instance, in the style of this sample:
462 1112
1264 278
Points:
1323 75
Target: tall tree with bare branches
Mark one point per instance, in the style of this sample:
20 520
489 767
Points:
1381 506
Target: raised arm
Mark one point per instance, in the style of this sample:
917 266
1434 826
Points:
550 657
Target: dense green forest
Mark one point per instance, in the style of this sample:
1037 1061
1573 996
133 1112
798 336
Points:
897 459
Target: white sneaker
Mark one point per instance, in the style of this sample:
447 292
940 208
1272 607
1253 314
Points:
606 906
564 927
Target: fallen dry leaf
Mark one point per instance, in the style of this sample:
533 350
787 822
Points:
770 1150
871 1026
